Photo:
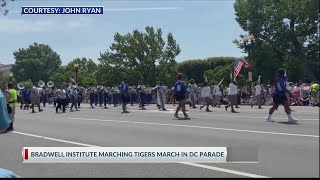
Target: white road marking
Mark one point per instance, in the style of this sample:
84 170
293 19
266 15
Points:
185 163
215 115
223 170
54 139
250 117
200 127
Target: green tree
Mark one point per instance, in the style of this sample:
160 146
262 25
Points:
3 79
167 64
37 62
86 68
28 84
58 78
3 4
140 52
194 69
290 27
88 80
87 71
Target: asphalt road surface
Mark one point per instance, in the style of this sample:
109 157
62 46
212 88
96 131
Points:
284 150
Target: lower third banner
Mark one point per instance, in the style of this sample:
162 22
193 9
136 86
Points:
124 154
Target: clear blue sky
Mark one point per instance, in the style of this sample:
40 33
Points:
202 28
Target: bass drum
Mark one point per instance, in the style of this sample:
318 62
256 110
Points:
4 117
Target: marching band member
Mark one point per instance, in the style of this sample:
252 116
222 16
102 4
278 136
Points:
173 96
193 93
100 92
67 88
44 96
157 89
35 99
216 95
50 95
114 92
20 94
73 97
163 92
26 97
279 96
232 96
109 96
96 95
105 96
124 91
61 99
55 99
80 95
257 95
180 89
131 94
205 93
188 96
92 95
161 99
150 94
141 90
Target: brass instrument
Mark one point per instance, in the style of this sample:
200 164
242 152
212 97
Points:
100 88
41 83
221 82
50 84
20 85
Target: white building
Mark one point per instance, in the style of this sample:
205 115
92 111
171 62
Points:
5 68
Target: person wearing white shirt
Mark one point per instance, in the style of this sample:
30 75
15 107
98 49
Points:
216 95
205 93
193 93
232 95
61 99
257 100
74 97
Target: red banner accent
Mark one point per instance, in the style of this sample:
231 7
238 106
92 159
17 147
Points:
26 154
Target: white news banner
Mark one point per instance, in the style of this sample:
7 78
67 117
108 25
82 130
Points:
124 154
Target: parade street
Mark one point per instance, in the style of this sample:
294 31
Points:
284 150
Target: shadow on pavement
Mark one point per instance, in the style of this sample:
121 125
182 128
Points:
4 132
288 123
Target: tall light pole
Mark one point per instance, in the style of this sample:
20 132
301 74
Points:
11 77
76 68
248 46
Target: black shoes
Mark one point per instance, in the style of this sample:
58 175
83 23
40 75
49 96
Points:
10 128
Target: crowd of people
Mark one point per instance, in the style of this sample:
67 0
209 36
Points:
73 95
303 94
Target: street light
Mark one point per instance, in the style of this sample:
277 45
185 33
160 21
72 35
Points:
248 46
76 67
11 76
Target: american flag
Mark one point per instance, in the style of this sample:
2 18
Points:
237 68
246 64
